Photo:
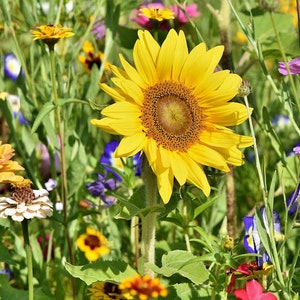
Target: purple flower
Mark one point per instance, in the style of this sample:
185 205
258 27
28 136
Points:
12 67
107 159
294 66
292 202
99 29
191 10
252 241
100 187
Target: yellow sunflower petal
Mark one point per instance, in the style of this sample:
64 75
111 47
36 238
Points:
116 94
178 167
164 183
197 176
132 73
180 56
166 56
144 63
230 114
207 156
131 145
121 110
150 44
118 126
91 255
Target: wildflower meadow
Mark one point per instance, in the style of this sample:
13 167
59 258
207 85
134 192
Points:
149 149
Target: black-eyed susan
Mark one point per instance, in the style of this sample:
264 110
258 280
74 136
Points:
143 288
93 244
106 291
175 108
51 34
90 58
8 167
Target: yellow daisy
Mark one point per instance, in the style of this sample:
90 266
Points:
50 34
93 244
175 108
156 13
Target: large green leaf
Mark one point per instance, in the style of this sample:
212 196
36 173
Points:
113 271
183 263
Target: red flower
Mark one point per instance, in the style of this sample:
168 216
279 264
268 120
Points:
253 291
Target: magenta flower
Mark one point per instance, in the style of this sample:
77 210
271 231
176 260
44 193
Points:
99 29
191 10
253 291
294 66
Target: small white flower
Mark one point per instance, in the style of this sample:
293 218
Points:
26 203
59 206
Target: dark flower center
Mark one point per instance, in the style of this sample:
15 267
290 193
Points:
92 241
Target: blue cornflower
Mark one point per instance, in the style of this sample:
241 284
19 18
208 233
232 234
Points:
12 67
252 241
100 187
292 202
107 159
14 103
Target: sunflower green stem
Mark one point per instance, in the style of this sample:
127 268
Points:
29 258
149 220
62 159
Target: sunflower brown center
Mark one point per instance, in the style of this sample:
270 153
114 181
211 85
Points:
92 241
23 194
171 115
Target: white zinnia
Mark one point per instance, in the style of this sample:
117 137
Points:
40 207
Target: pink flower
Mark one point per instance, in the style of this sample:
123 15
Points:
294 66
253 291
191 10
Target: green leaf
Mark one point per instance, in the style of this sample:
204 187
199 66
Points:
46 109
183 263
187 291
113 271
7 292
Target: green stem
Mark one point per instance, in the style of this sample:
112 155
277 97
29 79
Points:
62 160
258 167
186 226
29 258
149 220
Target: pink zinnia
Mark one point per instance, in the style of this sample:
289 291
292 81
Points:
253 291
191 10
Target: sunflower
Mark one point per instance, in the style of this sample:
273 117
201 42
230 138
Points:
175 108
93 244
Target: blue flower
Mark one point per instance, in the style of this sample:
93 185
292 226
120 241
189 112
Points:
12 67
107 159
252 241
14 103
100 187
292 202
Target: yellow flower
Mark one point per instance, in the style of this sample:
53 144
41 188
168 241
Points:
50 34
7 166
175 108
90 58
106 291
143 287
240 38
289 7
156 13
93 244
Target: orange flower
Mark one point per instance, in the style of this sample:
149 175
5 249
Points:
143 287
7 166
